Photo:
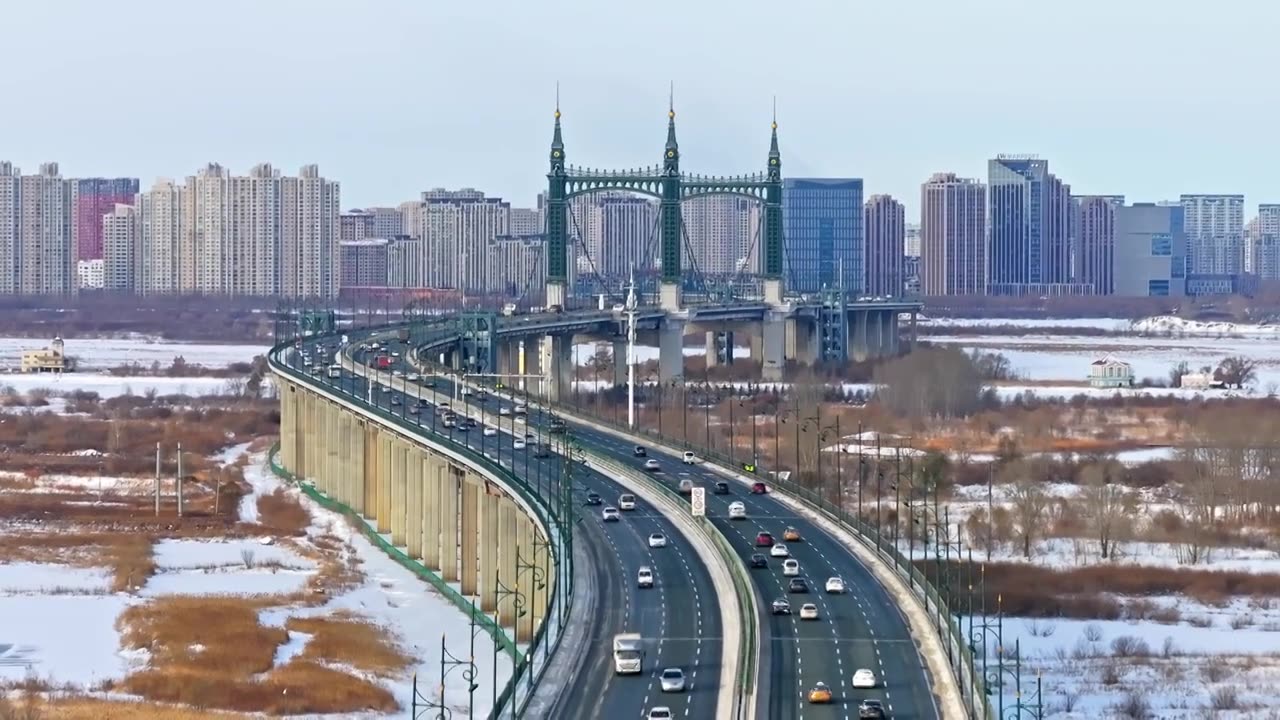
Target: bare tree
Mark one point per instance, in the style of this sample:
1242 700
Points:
1237 371
1176 372
1104 503
930 383
1029 503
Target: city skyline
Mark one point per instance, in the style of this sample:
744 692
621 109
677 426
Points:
462 134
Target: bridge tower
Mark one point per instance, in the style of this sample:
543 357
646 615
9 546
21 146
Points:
671 187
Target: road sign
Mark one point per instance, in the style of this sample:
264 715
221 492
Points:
699 499
749 467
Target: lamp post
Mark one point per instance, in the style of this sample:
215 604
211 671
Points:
502 592
539 579
421 704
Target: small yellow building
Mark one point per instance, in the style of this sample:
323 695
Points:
44 360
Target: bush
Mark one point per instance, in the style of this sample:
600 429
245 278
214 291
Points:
1225 698
1135 706
1214 672
1128 646
1109 675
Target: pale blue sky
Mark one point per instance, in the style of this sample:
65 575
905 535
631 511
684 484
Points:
1150 98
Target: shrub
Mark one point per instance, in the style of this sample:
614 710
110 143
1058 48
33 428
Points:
1214 671
1135 706
1241 621
1109 674
1128 646
1093 632
1225 698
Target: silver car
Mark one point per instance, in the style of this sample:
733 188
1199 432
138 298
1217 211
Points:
673 680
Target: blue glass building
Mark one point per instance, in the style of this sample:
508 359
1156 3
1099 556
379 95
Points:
823 233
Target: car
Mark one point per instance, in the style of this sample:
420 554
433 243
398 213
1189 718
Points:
530 437
414 409
808 611
627 501
686 486
397 373
673 680
820 694
490 431
864 678
594 499
429 383
481 396
871 710
657 540
518 444
660 713
779 550
385 388
557 427
504 411
780 607
759 488
644 578
466 390
798 585
395 354
413 377
470 422
835 585
444 405
652 465
688 458
609 514
639 451
791 535
764 539
790 567
464 426
395 400
737 511
758 560
720 488
449 422
519 418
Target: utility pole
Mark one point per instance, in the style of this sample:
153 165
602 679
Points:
157 479
631 349
179 479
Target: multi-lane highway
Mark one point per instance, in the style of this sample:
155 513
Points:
678 617
862 628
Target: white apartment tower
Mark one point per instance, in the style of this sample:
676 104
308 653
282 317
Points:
627 228
457 227
1214 226
10 192
159 229
308 252
120 245
46 256
723 233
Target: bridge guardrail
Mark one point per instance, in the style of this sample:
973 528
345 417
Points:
561 597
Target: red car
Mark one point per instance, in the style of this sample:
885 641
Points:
764 539
759 488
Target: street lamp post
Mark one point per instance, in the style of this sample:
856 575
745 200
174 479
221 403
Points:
502 592
421 704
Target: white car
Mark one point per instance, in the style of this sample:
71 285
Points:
660 713
504 411
808 611
644 578
627 501
835 585
651 465
397 373
412 377
490 431
689 458
779 550
737 511
466 390
610 514
864 678
519 418
673 680
657 540
517 444
790 567
443 405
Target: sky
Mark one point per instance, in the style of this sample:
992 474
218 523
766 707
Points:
1146 98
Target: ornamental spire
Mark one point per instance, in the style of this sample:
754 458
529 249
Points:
775 157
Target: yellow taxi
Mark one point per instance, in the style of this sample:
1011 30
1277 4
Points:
791 535
820 694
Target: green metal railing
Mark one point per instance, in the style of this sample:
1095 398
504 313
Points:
561 596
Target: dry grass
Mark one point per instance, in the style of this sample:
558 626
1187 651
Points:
281 511
128 555
82 708
232 665
351 641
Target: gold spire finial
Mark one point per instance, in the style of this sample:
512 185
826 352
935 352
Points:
557 99
671 102
775 112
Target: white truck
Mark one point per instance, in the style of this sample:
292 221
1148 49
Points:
335 371
628 654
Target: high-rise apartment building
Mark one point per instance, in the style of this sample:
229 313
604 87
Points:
884 222
92 199
1263 242
1093 240
1215 233
823 242
160 228
46 256
10 195
456 229
120 244
526 221
1028 215
627 227
309 261
355 225
911 247
724 234
404 263
388 222
518 266
1150 250
364 263
953 254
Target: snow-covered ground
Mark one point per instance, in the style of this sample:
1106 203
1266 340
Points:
1158 325
66 638
1108 324
100 353
108 386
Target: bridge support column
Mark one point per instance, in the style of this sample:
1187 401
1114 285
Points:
449 521
399 486
507 606
891 342
712 349
434 470
556 362
332 438
505 353
469 545
556 294
858 347
620 364
669 297
488 551
773 344
803 343
371 467
383 518
413 504
671 350
773 291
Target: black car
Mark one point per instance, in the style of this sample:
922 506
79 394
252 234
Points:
871 710
469 423
639 451
593 499
758 560
557 427
721 488
798 585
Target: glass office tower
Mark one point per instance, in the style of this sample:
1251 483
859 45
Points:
823 234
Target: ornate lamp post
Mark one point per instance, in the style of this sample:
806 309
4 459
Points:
422 705
502 592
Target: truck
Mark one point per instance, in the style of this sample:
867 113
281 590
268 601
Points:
335 371
628 654
382 362
403 334
509 309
